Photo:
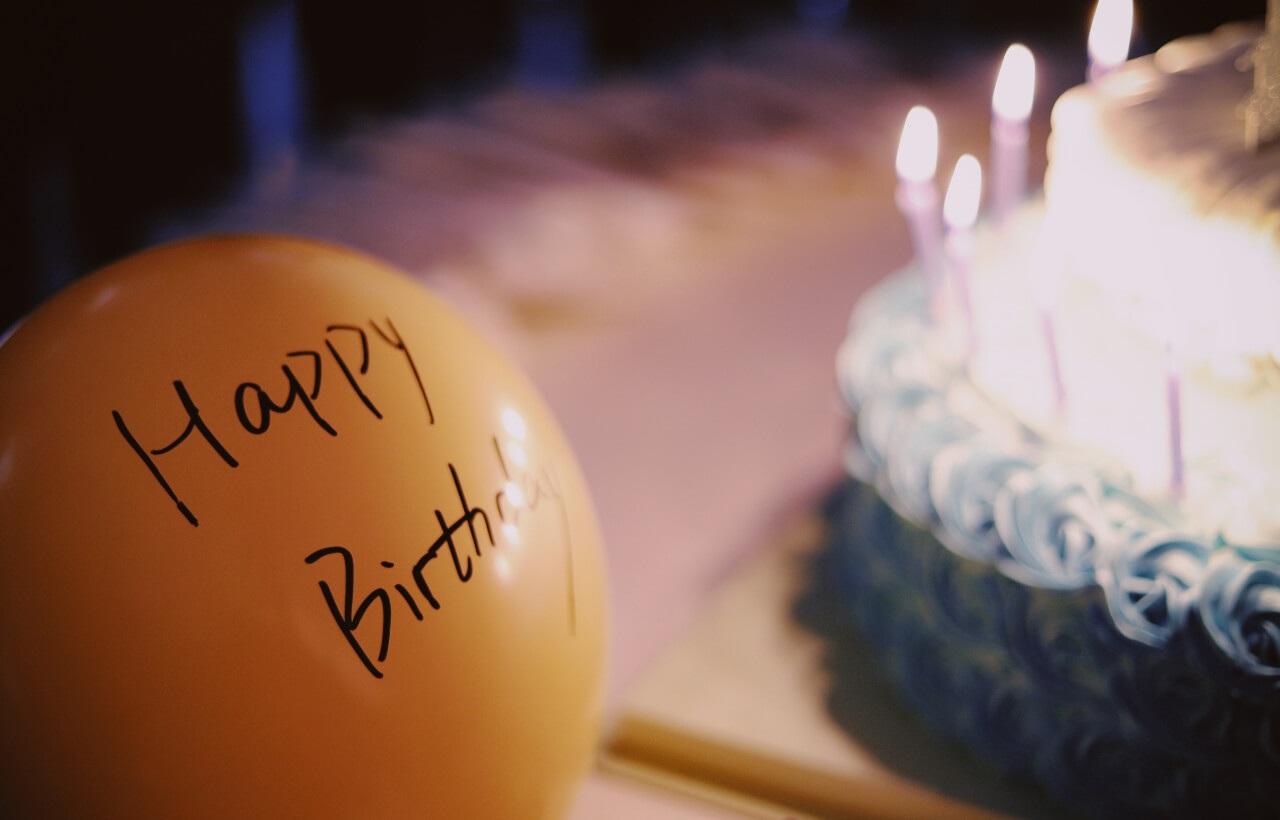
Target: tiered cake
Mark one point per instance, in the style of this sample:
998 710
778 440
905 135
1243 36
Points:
1061 536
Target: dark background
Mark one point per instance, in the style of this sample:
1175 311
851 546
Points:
118 113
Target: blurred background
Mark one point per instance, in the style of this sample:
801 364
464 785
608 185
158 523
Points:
121 115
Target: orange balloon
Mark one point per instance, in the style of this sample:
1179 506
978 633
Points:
283 536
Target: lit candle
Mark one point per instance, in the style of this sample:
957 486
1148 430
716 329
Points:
959 212
1109 37
917 163
1010 114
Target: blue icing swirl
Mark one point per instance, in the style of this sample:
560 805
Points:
1051 525
1176 705
1151 585
917 439
1106 773
963 485
1239 607
880 416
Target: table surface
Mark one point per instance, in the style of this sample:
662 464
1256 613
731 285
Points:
673 262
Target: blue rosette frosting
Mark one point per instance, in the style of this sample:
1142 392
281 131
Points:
1239 608
1151 585
1051 525
964 482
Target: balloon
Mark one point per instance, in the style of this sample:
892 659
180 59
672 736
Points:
283 536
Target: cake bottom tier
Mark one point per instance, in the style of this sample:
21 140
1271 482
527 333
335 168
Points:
1040 682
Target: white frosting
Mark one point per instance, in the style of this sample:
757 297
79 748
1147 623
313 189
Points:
1161 229
1114 373
1166 204
1045 513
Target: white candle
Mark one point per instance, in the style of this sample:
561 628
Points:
1173 395
917 164
1049 330
1109 37
959 212
1046 283
1010 115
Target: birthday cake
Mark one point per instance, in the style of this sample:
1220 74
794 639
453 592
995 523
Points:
1061 532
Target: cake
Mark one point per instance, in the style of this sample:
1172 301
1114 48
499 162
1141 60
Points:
1060 534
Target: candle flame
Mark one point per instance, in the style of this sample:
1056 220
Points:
918 149
1015 84
1110 35
960 208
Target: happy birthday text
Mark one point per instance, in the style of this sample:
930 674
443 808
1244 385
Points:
351 348
462 537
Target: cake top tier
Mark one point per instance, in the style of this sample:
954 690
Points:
1180 115
1155 263
1161 203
